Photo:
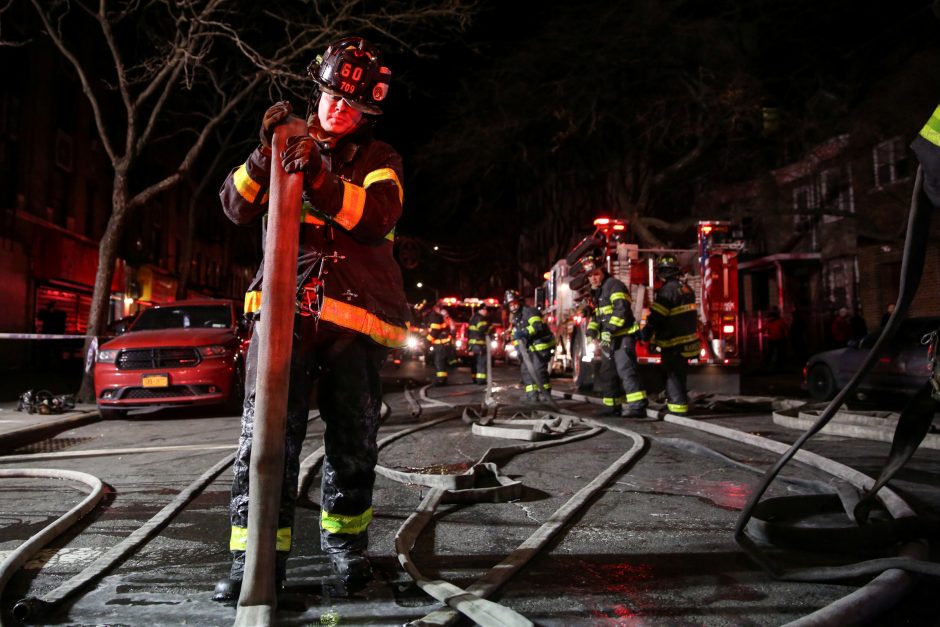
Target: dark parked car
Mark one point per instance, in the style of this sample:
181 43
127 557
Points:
901 368
182 353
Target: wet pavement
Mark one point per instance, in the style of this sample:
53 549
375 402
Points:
653 547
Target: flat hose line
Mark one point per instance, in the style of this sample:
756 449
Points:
31 547
465 488
31 606
879 594
469 601
27 607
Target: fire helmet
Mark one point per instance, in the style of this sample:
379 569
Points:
352 69
667 266
512 295
590 264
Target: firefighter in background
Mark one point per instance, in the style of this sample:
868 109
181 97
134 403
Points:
615 327
531 334
439 338
344 328
478 330
671 326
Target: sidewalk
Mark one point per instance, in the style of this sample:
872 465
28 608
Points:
19 429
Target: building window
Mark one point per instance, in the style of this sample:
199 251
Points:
840 283
804 206
892 162
836 192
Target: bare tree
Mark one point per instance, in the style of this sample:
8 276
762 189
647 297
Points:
182 68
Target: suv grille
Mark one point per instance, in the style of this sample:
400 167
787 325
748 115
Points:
153 358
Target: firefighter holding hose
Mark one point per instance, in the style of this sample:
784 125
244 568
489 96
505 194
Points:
534 341
351 308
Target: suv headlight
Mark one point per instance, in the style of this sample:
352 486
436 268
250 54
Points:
107 356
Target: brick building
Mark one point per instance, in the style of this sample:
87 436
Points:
55 200
826 230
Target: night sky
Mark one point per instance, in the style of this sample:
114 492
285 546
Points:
479 126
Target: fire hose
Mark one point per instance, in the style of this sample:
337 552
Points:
274 334
476 485
915 249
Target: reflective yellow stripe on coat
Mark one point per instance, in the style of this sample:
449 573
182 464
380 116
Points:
349 317
931 130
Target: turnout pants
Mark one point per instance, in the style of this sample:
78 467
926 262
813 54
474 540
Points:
440 358
478 365
620 376
532 386
677 395
349 395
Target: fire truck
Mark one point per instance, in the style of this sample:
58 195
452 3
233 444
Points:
459 311
710 269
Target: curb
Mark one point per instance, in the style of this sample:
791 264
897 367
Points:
27 435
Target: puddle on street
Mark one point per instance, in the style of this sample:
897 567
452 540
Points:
439 469
724 494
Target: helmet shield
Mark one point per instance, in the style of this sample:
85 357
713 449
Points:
352 69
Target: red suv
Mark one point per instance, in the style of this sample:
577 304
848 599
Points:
183 353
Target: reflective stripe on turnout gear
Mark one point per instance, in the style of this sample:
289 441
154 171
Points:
611 401
635 396
675 311
931 130
238 539
682 339
247 187
340 523
677 409
349 317
309 215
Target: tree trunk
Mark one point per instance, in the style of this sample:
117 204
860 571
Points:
101 296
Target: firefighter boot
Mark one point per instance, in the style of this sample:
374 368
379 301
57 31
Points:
352 568
227 590
348 558
637 411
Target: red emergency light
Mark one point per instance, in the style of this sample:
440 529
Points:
547 275
728 328
601 221
706 228
619 227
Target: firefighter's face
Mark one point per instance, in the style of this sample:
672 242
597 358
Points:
336 116
596 277
514 306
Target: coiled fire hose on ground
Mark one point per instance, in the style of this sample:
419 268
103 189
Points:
915 249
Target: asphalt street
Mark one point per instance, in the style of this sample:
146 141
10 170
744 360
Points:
652 544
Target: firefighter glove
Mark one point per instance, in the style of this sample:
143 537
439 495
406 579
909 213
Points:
302 155
275 114
605 337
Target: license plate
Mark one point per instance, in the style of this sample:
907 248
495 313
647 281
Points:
157 381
